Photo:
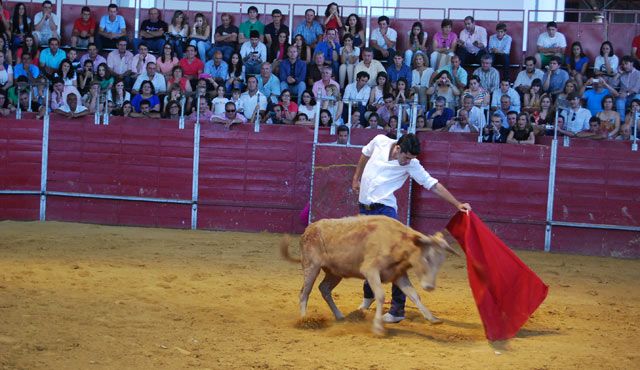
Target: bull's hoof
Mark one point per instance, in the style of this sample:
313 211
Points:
435 321
378 328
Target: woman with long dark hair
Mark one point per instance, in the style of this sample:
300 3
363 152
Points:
20 25
415 43
577 63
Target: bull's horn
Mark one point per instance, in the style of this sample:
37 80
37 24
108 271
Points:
451 250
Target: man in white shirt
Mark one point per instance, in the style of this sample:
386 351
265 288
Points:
550 43
472 44
253 53
157 79
383 40
383 168
475 115
505 89
526 76
46 24
358 91
461 123
253 101
72 109
577 119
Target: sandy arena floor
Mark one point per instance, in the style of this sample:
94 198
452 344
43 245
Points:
78 296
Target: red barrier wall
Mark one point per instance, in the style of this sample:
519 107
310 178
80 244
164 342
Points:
260 181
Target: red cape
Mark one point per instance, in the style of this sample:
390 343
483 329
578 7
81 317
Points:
506 291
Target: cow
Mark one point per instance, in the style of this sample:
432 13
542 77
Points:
376 248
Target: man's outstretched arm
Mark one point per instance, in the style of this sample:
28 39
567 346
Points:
444 194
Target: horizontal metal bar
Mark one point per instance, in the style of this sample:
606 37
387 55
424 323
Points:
26 192
595 226
118 197
341 145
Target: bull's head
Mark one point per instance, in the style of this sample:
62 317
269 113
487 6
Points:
433 253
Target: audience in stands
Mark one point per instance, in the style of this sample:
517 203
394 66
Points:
383 40
46 24
84 29
252 24
472 44
550 44
112 28
152 32
310 30
500 48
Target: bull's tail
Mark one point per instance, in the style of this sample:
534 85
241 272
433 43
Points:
284 249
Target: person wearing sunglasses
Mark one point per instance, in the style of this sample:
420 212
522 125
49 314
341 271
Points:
577 118
230 116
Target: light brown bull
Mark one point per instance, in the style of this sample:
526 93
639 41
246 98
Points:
376 248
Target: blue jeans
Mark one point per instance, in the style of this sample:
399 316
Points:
203 47
296 89
397 297
153 45
226 52
178 47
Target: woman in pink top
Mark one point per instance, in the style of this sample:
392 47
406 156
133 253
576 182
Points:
443 46
167 61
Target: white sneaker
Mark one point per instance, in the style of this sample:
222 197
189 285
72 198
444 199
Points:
389 318
366 302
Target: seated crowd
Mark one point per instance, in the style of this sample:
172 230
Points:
252 72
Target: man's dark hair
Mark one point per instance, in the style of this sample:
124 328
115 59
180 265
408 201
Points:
362 74
501 27
573 95
85 9
276 11
446 22
530 58
252 8
383 18
512 112
486 57
343 128
409 143
45 2
557 59
387 96
254 34
145 102
626 58
594 119
470 18
112 6
552 24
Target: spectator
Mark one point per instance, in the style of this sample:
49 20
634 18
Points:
112 29
117 96
336 106
629 85
609 118
167 60
205 113
152 32
460 123
420 77
92 54
343 135
489 76
26 69
85 78
439 116
472 43
308 106
254 102
172 110
230 117
494 132
399 70
577 119
353 27
550 44
505 89
330 49
253 53
192 66
29 47
481 97
354 120
201 36
606 64
349 55
276 117
226 37
320 86
382 88
292 73
290 109
218 103
72 55
273 29
500 48
45 24
20 26
444 46
456 72
217 70
626 134
332 19
594 96
268 83
325 118
104 77
147 92
403 93
555 78
630 118
504 110
91 98
50 58
635 51
522 131
304 51
5 105
127 109
6 74
388 109
200 90
174 92
533 96
177 77
252 24
569 87
383 40
358 92
475 115
577 63
72 109
278 51
84 29
594 132
310 29
178 31
444 88
236 76
4 48
157 80
140 60
120 63
145 111
545 117
416 43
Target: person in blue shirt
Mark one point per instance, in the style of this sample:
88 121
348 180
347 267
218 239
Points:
293 72
26 69
594 96
112 28
577 64
310 29
500 48
330 48
51 57
217 69
399 70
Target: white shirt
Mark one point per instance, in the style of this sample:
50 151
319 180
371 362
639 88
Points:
457 128
497 95
79 108
219 105
600 65
577 121
246 49
376 35
46 25
551 42
251 102
418 80
158 81
524 79
382 177
476 118
351 93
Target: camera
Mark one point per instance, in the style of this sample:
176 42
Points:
596 80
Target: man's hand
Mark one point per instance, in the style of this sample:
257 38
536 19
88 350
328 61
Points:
291 80
464 207
355 186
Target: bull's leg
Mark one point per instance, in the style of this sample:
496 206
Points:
373 277
310 274
407 288
326 286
